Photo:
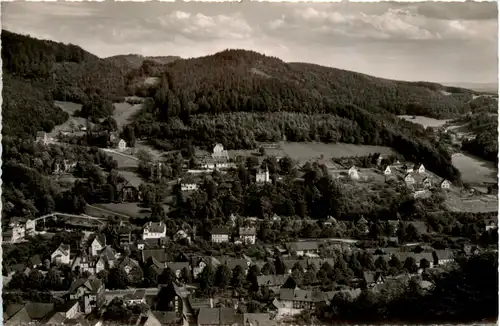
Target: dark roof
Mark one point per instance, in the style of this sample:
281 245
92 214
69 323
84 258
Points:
127 261
271 280
303 245
92 284
421 226
101 238
444 254
209 316
247 231
258 319
38 310
302 295
228 316
232 262
177 266
35 260
161 255
66 306
138 294
220 230
166 317
155 227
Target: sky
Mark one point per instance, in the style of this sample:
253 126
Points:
431 41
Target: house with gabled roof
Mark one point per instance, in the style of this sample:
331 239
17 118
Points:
27 313
219 317
89 292
373 278
427 183
220 234
154 230
97 245
419 168
42 138
293 301
247 235
353 173
61 255
303 248
272 282
445 184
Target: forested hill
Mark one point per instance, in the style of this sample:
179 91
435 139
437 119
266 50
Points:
37 72
238 80
135 61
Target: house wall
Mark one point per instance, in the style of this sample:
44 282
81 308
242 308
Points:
220 238
248 239
95 248
152 235
71 313
189 186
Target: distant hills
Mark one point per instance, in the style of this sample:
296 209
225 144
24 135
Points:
479 87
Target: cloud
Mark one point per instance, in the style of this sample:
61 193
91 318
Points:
431 40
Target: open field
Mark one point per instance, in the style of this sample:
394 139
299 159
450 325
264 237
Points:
311 151
424 121
123 112
475 170
474 204
129 209
72 123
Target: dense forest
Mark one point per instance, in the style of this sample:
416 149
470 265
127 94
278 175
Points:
485 144
37 72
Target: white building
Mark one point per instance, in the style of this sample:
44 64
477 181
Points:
154 230
353 173
42 138
445 184
421 169
18 231
188 186
122 144
97 245
220 235
387 170
61 255
219 152
247 235
262 176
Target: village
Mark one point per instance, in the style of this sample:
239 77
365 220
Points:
165 276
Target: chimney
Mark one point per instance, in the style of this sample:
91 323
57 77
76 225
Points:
211 303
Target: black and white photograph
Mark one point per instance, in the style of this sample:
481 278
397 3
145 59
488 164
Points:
249 163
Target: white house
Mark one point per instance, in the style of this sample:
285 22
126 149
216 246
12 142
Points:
247 235
387 170
445 184
219 152
262 176
42 138
421 169
427 183
97 245
154 230
61 255
18 231
353 173
122 144
188 185
220 234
